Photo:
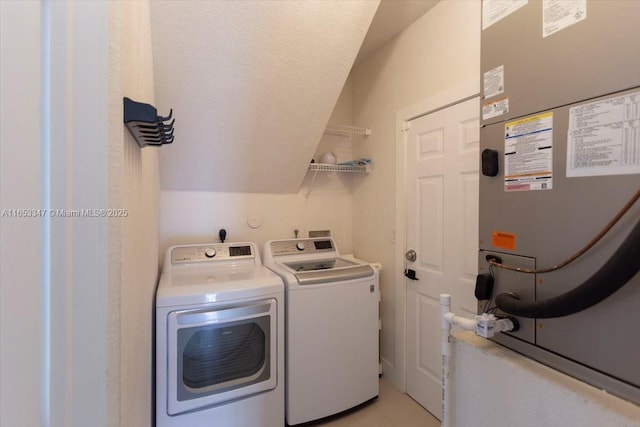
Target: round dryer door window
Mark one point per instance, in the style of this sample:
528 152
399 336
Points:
214 356
220 353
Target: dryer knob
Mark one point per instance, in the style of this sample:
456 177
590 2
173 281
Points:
300 246
210 252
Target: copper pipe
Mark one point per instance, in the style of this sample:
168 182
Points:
581 252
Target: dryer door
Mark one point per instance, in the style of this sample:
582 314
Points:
220 353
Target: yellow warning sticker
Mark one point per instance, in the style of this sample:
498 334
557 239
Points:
528 153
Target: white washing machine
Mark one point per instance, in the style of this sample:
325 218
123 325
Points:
331 327
219 339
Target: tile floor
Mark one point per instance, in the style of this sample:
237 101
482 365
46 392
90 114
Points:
391 409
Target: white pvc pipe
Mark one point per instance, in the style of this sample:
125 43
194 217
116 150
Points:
485 325
445 308
465 323
447 318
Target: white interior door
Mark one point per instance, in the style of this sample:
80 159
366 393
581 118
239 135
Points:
442 229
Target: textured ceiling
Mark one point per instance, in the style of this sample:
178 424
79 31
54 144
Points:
252 85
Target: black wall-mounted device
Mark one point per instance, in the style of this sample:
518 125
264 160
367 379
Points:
489 162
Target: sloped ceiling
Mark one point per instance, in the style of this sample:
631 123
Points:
392 17
252 85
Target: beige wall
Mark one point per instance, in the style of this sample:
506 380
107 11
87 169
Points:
134 185
195 217
21 299
439 51
536 394
77 301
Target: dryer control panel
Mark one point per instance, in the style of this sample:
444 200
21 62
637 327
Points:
211 252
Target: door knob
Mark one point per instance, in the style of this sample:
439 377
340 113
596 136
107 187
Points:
411 255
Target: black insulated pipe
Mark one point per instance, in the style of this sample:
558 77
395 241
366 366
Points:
614 274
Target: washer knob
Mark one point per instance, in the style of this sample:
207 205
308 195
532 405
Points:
210 252
300 246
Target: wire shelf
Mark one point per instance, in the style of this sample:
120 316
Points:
341 130
324 167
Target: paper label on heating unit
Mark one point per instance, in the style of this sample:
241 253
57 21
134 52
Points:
494 82
528 145
495 108
560 14
604 137
495 10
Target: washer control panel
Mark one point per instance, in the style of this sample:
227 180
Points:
301 246
211 252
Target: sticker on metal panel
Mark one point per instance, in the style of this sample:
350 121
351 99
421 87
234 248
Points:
560 14
495 108
495 10
604 137
493 82
502 240
528 153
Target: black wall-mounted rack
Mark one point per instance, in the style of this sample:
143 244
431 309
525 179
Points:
145 125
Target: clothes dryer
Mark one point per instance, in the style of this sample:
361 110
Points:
331 327
219 338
